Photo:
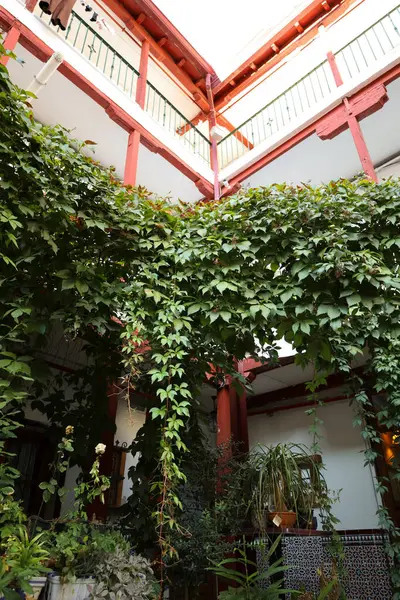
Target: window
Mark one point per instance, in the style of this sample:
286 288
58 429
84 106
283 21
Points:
308 469
33 453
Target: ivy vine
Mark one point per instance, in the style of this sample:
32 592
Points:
158 292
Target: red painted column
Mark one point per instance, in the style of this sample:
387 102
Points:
243 419
212 119
143 68
360 143
354 125
132 154
10 41
334 68
224 430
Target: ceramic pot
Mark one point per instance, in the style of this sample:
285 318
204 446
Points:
288 519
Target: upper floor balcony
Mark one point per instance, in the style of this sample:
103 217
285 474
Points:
365 42
115 56
297 90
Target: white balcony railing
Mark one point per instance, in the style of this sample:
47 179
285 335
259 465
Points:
354 59
100 53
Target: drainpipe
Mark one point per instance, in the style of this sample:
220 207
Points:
48 69
212 120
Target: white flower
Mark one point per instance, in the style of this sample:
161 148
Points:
100 448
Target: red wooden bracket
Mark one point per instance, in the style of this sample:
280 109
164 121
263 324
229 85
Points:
361 105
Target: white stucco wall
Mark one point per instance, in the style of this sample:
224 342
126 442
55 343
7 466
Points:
128 424
390 169
342 449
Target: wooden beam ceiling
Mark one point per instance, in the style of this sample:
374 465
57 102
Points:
167 45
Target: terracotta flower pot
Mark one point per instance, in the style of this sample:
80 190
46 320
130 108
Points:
288 519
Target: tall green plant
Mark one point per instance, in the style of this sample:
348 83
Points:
159 292
23 558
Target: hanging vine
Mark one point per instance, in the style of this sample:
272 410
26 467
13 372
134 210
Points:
158 292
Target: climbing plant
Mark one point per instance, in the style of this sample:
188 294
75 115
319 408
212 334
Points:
159 291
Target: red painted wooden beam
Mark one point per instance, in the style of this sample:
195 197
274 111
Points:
175 36
385 79
142 79
298 391
362 104
224 429
132 158
30 5
239 136
367 104
298 33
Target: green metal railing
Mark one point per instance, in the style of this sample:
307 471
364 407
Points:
358 55
371 45
276 115
173 120
81 36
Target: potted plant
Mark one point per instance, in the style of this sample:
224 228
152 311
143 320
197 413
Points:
23 565
76 549
280 491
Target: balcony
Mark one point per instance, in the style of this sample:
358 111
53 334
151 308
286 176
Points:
102 55
360 58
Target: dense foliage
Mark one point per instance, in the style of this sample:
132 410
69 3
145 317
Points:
159 291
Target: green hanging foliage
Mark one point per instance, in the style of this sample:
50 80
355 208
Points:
159 291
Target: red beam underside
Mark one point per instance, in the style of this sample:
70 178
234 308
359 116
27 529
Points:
297 391
159 52
158 25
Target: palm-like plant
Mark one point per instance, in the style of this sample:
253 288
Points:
24 559
249 578
277 484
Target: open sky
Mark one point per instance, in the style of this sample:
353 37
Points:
227 32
